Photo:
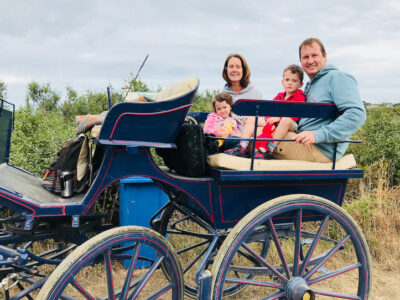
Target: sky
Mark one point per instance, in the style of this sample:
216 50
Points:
89 45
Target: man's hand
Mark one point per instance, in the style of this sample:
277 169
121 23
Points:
305 137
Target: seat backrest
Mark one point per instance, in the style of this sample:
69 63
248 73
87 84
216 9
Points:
6 126
276 108
153 123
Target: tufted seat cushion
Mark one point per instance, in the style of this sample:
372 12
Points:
230 162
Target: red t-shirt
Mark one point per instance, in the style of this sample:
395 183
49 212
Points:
296 96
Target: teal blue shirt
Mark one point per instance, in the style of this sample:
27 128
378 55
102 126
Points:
333 86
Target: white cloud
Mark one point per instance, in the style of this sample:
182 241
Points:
89 44
11 79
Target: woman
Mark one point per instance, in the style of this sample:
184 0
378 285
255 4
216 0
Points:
236 73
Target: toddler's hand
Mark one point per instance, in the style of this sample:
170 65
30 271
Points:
223 132
273 120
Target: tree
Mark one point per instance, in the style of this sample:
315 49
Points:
3 90
42 96
137 85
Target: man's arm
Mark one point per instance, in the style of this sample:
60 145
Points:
347 99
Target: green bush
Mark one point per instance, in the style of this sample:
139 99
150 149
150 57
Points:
202 101
381 140
37 137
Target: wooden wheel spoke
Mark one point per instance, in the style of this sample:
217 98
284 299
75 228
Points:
255 282
198 256
189 233
81 290
326 257
264 262
314 243
131 270
336 295
146 278
192 247
109 275
161 292
278 247
334 273
249 257
297 245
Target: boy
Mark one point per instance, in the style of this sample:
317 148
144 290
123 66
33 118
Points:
277 127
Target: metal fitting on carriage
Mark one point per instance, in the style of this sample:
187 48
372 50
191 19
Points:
19 256
28 222
75 221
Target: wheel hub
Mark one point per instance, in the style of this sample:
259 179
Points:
298 289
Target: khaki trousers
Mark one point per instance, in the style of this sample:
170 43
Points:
296 151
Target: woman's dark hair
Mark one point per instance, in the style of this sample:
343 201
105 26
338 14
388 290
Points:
244 82
221 97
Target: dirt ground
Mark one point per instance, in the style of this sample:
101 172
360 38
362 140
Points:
385 283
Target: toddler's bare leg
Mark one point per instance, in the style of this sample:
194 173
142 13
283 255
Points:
285 125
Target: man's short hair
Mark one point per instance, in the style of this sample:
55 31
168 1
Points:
309 42
221 97
295 69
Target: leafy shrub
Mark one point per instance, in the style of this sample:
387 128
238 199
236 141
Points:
202 101
88 103
381 137
37 137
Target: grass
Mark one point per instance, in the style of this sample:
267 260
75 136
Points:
377 211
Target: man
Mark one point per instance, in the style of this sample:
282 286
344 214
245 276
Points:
314 140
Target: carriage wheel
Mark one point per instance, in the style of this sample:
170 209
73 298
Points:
316 249
120 263
191 240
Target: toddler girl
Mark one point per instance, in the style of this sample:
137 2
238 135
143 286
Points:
221 122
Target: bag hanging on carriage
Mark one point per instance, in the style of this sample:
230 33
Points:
71 171
189 157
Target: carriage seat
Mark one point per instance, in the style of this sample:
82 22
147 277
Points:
230 162
173 91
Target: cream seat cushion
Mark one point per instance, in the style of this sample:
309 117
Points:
230 162
175 90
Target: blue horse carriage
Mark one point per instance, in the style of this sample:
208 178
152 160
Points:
262 232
